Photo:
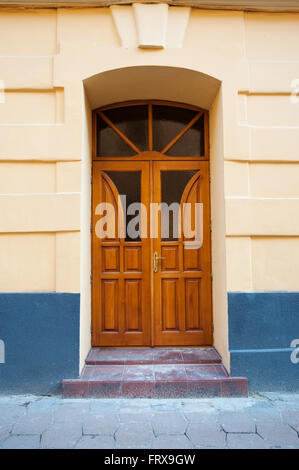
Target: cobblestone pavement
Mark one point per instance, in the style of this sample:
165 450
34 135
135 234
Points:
262 421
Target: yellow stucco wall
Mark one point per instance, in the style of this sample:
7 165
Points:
46 59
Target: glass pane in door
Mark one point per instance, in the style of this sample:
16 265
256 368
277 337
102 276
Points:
173 184
128 184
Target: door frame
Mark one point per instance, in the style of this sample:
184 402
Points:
151 156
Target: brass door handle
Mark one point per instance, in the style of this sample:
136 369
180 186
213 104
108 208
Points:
156 260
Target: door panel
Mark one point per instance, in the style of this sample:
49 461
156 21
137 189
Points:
121 264
132 305
150 151
182 283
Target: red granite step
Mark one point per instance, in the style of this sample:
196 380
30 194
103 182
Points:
121 356
148 374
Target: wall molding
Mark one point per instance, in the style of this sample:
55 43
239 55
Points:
251 5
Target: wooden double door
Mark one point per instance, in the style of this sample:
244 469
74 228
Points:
151 280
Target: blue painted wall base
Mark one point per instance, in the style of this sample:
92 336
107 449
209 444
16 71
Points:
262 326
41 336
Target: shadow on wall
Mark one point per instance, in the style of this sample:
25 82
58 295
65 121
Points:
152 82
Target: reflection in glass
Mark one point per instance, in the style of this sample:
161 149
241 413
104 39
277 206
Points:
132 121
191 143
173 184
128 183
169 122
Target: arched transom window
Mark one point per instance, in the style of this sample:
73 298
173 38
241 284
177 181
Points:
171 129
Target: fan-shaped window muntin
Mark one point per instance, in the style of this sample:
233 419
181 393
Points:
172 130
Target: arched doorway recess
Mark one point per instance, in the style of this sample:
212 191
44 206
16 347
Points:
150 288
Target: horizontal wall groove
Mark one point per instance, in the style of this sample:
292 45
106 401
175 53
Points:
266 93
26 56
41 231
263 198
50 232
38 160
252 237
32 124
272 61
257 161
254 126
57 193
246 351
31 89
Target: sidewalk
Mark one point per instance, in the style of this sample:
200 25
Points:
263 421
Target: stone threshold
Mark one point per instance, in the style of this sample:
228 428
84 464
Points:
154 373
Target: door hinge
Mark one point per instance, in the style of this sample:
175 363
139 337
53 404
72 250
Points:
211 276
210 225
91 279
90 228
